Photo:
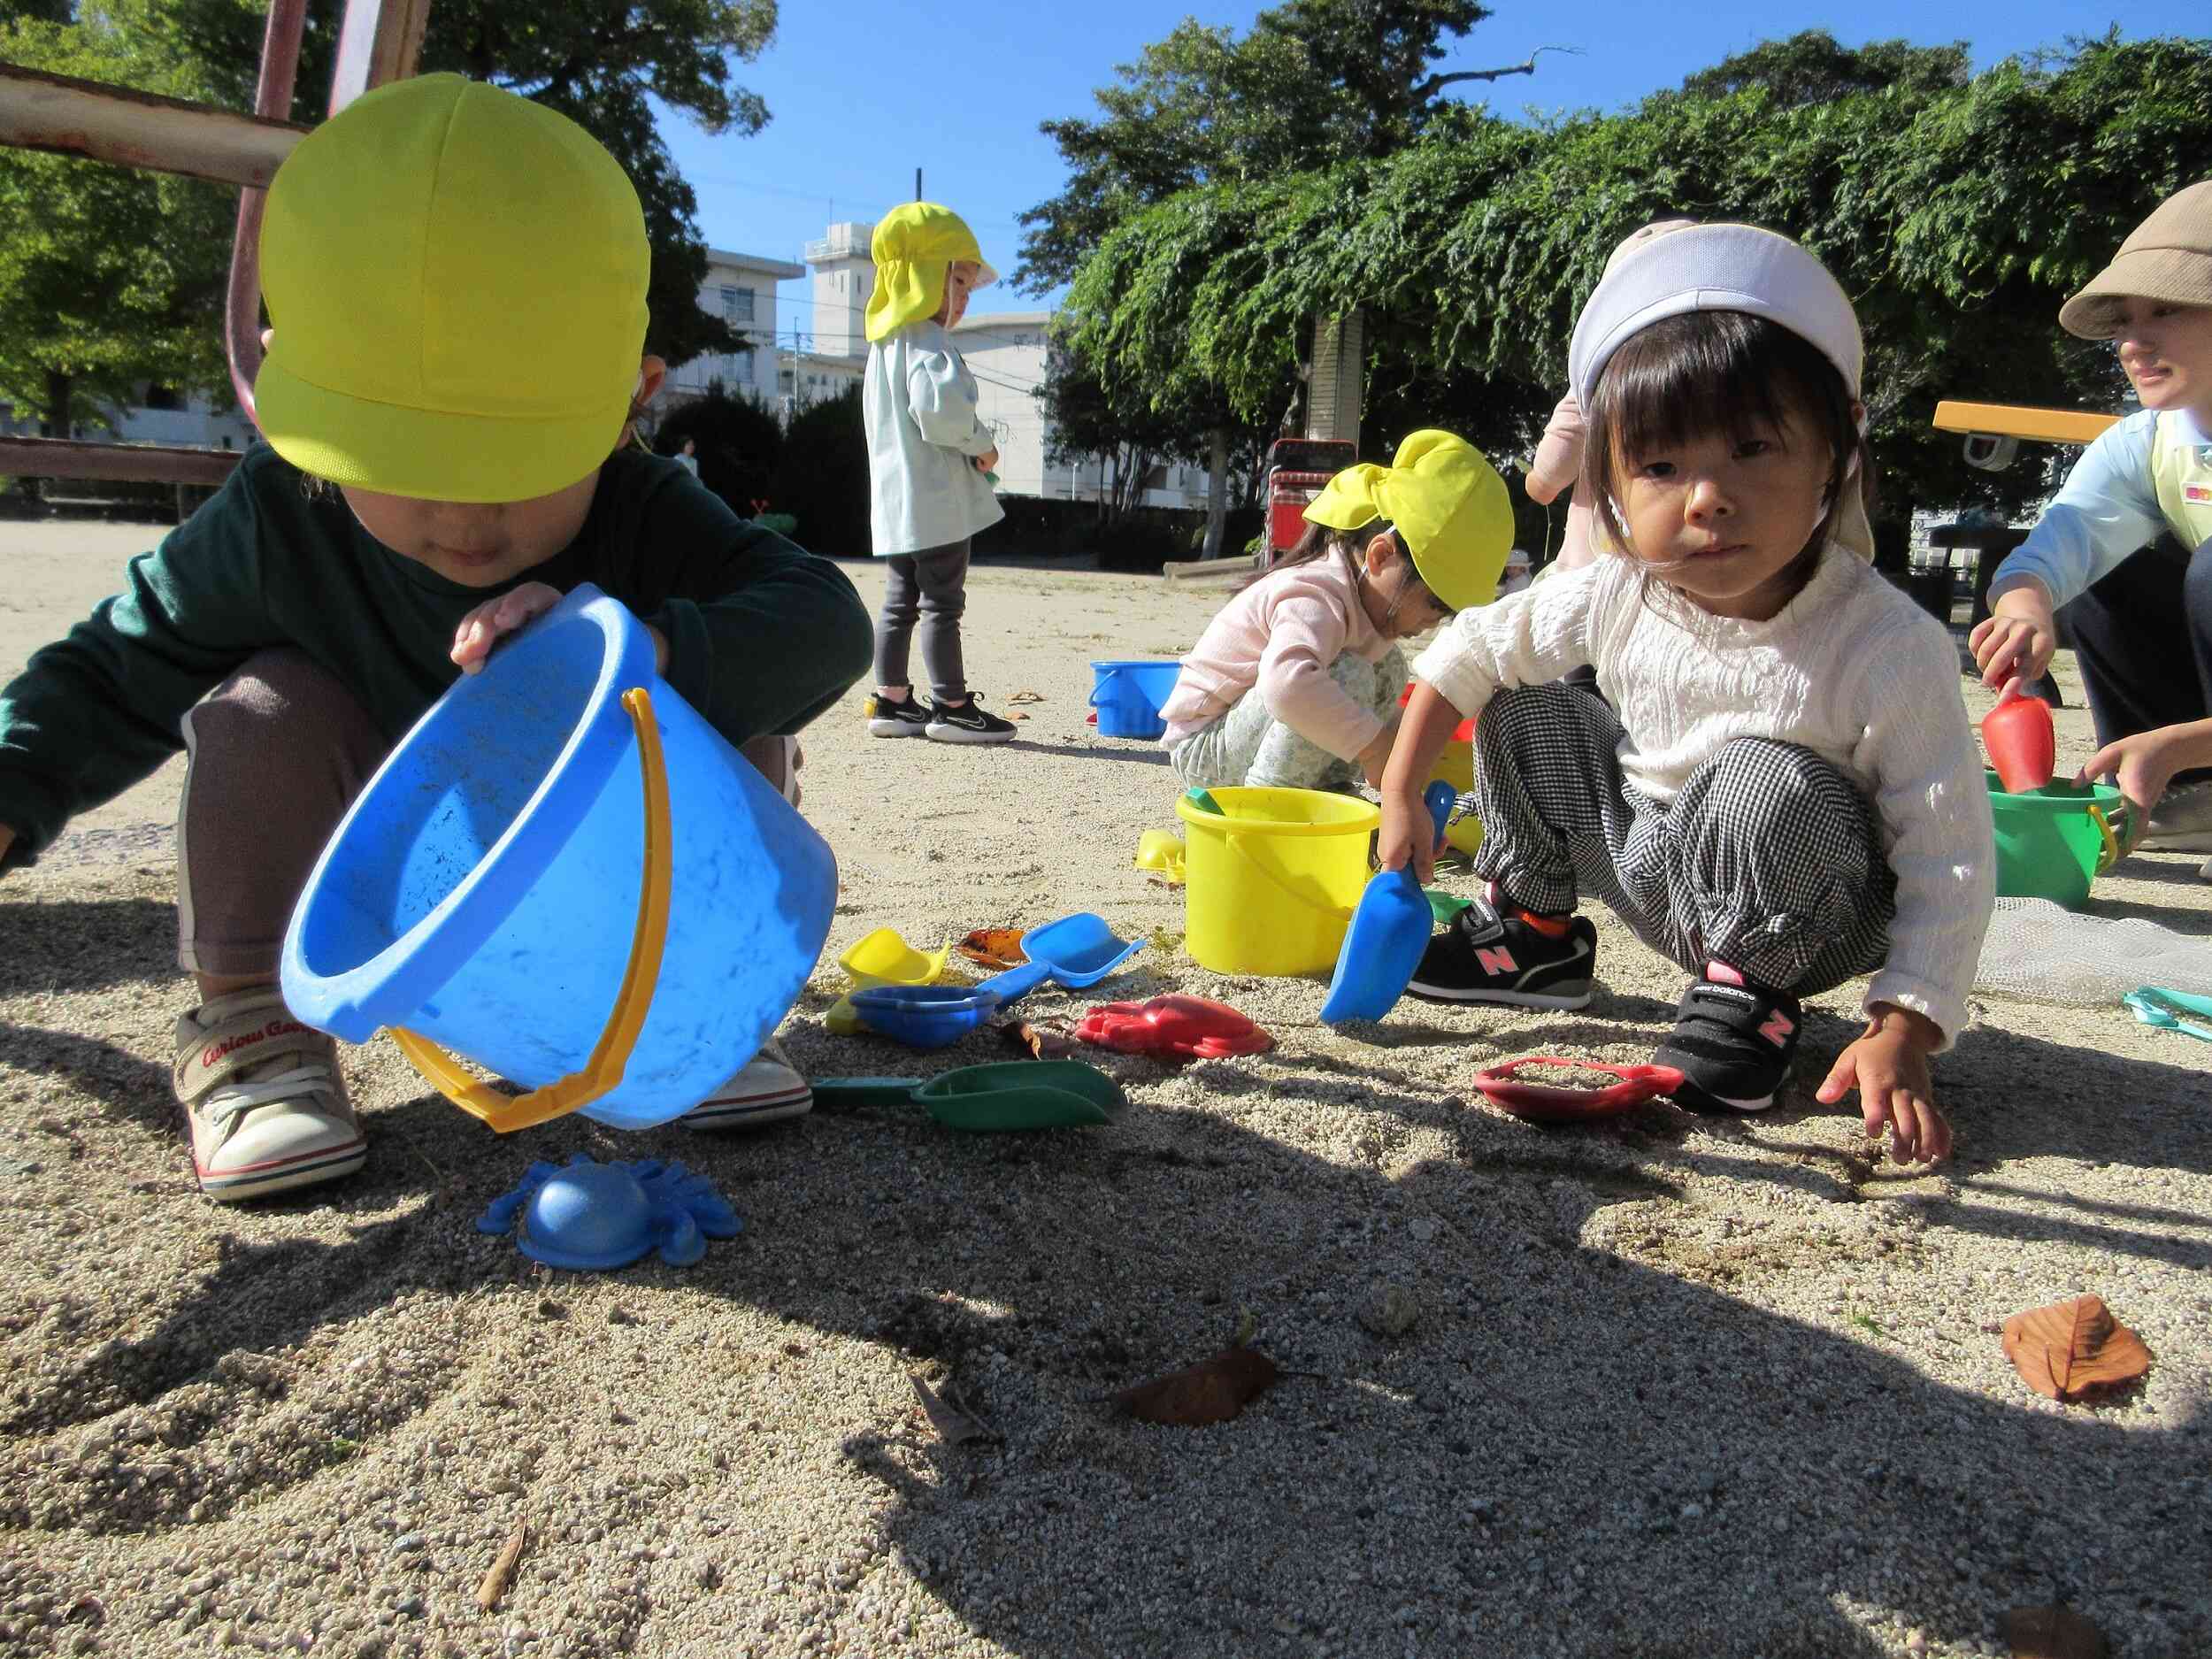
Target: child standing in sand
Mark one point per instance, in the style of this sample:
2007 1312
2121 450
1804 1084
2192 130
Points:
442 464
928 452
1789 794
1294 683
2140 615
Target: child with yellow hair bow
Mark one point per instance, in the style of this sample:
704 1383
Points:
928 456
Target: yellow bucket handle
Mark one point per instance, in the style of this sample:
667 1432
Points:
2111 855
611 1055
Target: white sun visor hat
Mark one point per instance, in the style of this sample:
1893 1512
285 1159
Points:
1714 268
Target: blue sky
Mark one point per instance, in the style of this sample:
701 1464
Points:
861 92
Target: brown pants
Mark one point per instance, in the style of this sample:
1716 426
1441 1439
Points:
277 752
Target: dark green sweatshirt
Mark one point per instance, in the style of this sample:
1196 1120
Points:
762 635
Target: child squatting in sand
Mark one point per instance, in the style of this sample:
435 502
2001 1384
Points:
1789 794
456 280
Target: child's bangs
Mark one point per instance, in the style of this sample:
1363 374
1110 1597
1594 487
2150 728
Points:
1703 373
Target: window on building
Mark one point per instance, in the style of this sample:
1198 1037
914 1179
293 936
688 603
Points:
737 305
742 368
164 398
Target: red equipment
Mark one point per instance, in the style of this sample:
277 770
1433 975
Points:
1297 469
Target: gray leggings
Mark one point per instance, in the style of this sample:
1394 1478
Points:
1249 745
932 588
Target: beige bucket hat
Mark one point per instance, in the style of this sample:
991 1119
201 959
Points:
2167 257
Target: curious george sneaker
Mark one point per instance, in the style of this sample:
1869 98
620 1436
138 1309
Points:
967 722
1483 955
262 1093
1732 1042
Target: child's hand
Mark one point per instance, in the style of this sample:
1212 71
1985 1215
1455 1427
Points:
484 627
2139 766
1889 1068
988 461
2017 639
1408 835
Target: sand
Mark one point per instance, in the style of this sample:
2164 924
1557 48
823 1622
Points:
1671 1387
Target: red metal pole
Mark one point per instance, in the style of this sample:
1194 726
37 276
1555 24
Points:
273 98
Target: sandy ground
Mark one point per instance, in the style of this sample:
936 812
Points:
1671 1387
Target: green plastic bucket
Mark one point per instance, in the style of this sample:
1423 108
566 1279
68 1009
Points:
2051 844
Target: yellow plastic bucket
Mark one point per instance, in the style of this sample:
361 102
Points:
1270 882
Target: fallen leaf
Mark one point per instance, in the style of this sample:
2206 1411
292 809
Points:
502 1568
1044 1040
1028 696
2071 1348
2053 1632
998 948
1017 715
954 1426
1212 1391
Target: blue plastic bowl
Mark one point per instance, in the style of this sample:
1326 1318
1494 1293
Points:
924 1015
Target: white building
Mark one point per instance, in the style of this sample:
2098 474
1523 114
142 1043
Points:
740 289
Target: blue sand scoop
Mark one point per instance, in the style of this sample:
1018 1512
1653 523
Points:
584 1215
1076 951
1389 930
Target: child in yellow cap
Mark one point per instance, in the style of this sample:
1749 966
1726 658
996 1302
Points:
1294 684
928 454
456 280
2139 607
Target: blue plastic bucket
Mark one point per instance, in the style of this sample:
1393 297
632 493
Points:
1129 696
491 890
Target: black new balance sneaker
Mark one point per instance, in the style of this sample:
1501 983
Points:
967 722
1484 956
904 719
1732 1042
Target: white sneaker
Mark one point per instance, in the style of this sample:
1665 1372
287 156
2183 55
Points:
2181 822
264 1097
767 1090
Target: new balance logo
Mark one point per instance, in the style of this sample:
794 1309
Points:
1777 1028
1496 961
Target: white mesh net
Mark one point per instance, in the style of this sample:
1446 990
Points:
2038 951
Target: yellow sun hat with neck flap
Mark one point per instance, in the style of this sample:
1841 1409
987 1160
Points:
913 247
1447 504
456 280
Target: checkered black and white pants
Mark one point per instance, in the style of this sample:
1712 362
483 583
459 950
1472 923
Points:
1768 860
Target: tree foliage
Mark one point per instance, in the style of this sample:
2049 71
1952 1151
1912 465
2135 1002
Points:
107 276
596 64
1810 67
1957 215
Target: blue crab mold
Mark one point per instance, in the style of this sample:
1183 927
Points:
587 1215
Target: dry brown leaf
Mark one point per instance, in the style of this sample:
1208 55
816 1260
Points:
2053 1632
2071 1348
1212 1391
1045 1040
1028 696
997 948
503 1570
954 1426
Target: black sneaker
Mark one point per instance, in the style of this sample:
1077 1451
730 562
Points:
967 722
1732 1042
1482 956
904 719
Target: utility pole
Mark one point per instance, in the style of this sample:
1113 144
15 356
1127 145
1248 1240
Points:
917 184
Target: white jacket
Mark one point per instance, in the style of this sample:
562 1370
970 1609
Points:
918 404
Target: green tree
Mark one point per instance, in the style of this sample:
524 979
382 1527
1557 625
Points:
1810 67
108 277
821 477
739 443
596 64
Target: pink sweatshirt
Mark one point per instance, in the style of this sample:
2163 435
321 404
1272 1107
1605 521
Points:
1281 636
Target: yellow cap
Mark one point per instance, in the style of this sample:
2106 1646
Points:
913 247
456 280
1447 503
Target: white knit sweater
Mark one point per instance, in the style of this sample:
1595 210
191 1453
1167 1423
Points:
1852 669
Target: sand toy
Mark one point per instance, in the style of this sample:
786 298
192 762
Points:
882 957
1076 951
2021 745
1560 1103
1006 1094
1389 931
588 1215
1173 1027
924 1015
